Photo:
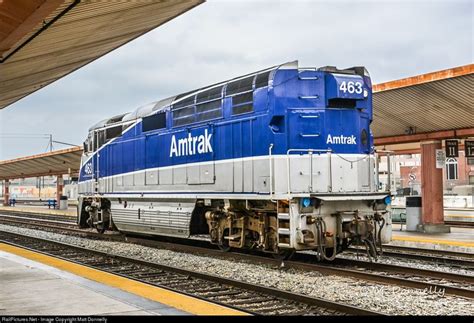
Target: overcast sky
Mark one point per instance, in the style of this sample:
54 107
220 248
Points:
223 39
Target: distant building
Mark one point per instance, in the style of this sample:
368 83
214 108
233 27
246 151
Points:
458 174
39 188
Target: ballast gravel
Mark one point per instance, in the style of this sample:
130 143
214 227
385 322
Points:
413 262
385 299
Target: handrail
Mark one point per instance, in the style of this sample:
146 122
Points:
389 170
271 171
330 170
377 179
310 152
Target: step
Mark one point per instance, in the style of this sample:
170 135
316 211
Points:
284 231
233 237
283 216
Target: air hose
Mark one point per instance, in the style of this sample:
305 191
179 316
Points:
378 235
321 225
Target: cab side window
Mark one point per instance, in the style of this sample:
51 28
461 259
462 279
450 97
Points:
154 122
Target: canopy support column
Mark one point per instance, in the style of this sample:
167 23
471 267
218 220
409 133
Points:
6 192
59 188
432 218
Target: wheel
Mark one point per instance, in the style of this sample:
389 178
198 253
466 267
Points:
284 254
224 246
329 252
101 227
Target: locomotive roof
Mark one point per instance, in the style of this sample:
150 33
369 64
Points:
161 105
153 107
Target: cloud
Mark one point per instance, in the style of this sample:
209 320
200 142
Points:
223 39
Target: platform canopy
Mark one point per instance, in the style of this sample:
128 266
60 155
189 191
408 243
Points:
436 106
59 162
44 40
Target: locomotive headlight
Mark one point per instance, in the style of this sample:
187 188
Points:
306 205
306 202
382 204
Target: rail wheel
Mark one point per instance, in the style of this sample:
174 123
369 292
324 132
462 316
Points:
101 227
224 246
224 243
284 254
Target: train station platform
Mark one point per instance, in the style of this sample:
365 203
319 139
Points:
36 284
71 211
460 239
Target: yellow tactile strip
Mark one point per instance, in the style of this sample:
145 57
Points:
164 296
434 241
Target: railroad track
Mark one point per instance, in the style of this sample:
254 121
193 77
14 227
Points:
36 216
454 259
246 297
443 253
40 222
460 224
450 283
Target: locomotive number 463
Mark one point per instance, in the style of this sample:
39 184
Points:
351 87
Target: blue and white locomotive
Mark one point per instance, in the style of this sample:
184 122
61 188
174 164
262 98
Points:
279 160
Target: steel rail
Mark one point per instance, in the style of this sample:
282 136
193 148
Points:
423 257
448 253
39 216
70 229
25 219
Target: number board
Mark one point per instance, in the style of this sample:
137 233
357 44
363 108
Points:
469 148
452 148
345 87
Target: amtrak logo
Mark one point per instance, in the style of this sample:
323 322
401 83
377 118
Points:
88 168
341 140
191 145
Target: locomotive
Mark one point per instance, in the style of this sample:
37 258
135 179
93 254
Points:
278 160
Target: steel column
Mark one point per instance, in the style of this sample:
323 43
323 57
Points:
6 192
59 188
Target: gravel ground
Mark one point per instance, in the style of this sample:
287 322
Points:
383 298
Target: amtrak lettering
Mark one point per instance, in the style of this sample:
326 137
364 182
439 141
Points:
191 145
338 140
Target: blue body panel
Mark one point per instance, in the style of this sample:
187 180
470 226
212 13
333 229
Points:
293 111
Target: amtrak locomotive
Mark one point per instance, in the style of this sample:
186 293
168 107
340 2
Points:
278 160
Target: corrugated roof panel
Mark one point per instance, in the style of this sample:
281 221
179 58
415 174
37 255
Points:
431 106
89 30
53 163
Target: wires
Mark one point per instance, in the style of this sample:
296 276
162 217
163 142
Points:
31 136
25 135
